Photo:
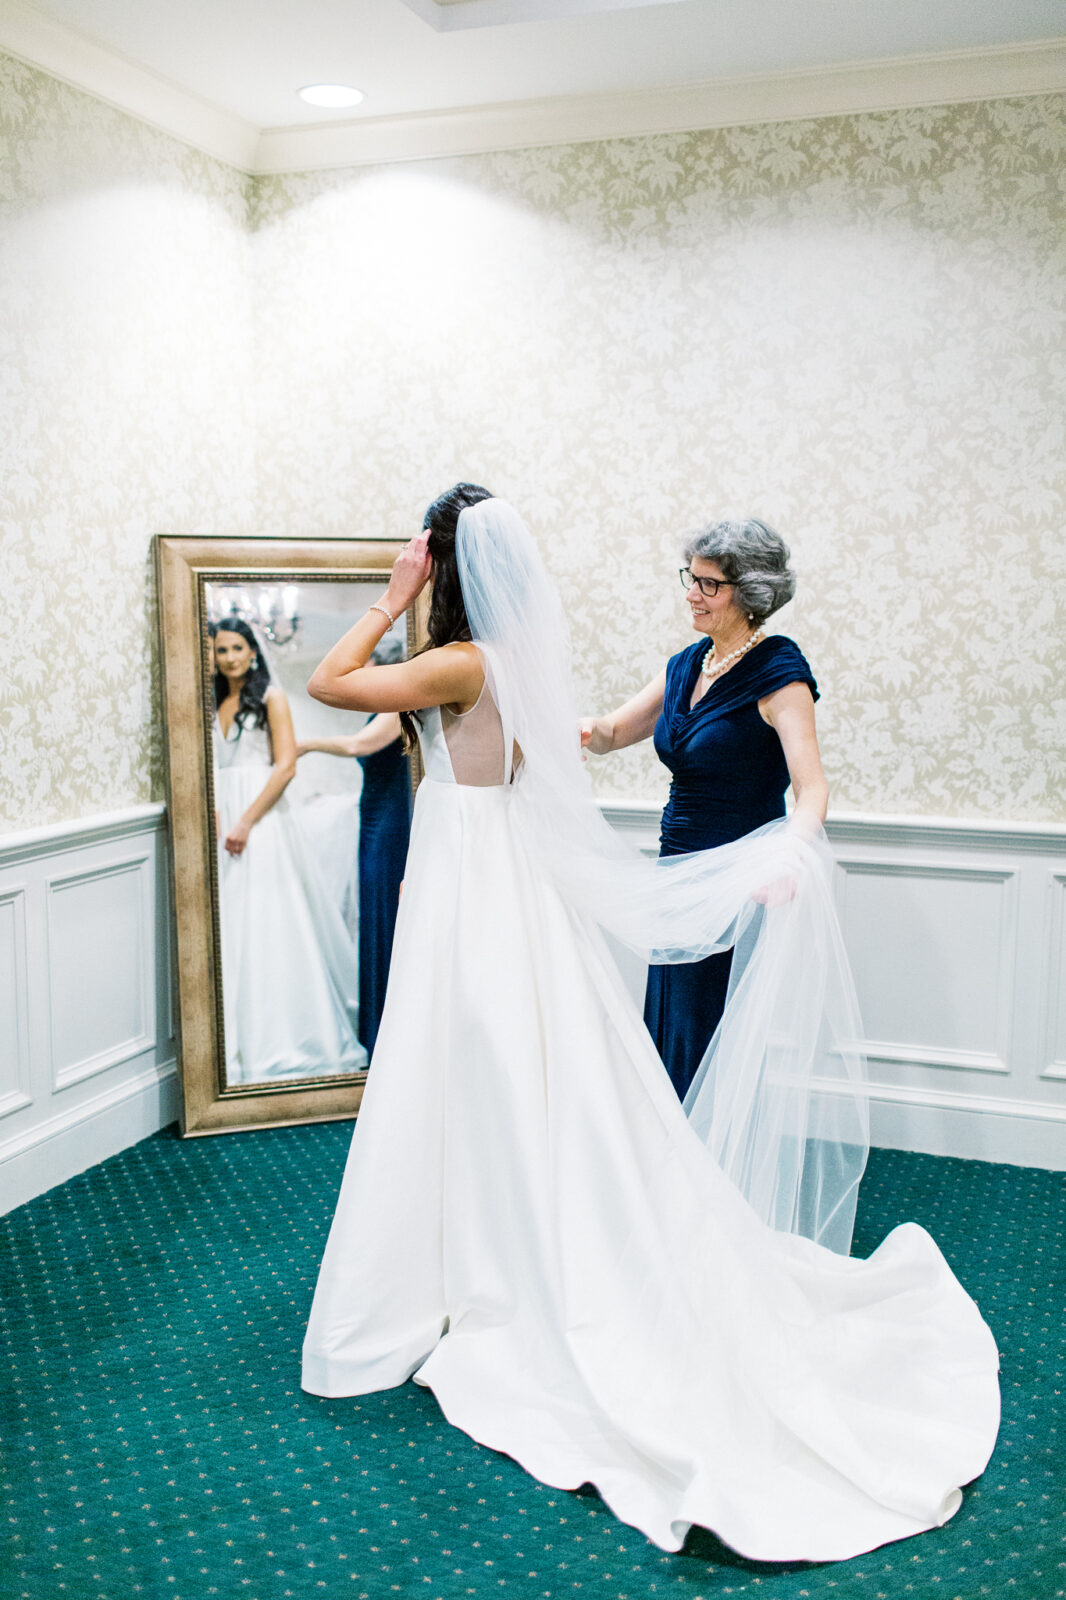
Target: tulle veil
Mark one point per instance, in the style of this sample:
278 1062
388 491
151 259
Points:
779 1098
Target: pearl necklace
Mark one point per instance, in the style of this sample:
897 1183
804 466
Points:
711 669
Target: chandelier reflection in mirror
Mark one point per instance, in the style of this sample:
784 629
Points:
272 609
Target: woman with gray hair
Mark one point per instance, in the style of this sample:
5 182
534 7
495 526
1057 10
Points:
732 717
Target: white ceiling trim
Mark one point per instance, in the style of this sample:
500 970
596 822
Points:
782 97
80 61
829 91
444 15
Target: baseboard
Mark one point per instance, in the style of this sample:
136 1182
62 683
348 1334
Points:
1019 1133
70 1142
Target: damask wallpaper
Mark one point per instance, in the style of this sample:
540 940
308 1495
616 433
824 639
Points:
850 326
124 409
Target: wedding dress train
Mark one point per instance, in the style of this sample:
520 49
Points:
530 1225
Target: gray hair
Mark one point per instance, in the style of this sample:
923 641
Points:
389 651
753 558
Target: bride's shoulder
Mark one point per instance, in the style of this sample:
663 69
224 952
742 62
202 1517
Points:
452 673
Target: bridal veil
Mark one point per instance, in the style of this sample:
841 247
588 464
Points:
779 1098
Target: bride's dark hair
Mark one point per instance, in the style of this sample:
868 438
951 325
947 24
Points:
251 707
447 613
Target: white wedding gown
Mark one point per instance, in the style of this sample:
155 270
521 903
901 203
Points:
290 1000
530 1226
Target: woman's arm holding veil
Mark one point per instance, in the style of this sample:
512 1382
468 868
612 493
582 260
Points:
629 724
790 711
377 735
451 676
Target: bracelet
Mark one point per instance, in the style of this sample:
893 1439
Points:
385 613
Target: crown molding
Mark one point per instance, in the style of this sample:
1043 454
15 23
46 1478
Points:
573 119
100 71
943 78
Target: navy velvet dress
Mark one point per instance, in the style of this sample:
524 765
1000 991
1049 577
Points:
384 832
729 777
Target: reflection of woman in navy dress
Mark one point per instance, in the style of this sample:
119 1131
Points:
735 726
384 830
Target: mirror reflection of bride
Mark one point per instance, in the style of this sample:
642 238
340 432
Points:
288 969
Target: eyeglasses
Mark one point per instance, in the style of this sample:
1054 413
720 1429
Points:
708 586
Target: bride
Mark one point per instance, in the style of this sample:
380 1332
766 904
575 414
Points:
590 1280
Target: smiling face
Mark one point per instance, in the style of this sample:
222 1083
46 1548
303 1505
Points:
711 614
233 655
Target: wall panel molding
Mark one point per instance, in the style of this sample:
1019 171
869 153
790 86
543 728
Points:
1003 1105
903 977
14 1002
100 991
987 1078
904 1055
56 838
1053 1046
90 971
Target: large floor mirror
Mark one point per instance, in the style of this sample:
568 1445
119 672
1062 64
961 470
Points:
289 825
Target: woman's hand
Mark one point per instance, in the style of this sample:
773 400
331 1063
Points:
410 573
237 837
777 893
596 737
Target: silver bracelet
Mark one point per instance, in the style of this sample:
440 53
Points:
385 613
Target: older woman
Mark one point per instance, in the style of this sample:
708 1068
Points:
733 719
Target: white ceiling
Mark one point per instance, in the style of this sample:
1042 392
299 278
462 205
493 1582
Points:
249 57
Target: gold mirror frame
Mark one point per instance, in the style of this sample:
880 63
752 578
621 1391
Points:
184 563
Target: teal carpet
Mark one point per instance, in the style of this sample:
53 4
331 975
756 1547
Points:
156 1441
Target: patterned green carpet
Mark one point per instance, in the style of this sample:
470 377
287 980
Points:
157 1442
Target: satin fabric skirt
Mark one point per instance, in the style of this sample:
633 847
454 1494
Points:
528 1224
288 963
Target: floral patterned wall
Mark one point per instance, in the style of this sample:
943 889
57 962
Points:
125 349
851 326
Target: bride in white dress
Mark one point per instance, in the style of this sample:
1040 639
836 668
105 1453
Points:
591 1281
288 962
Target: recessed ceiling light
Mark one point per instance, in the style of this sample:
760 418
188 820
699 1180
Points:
333 96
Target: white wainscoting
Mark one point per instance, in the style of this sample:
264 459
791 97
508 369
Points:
957 936
86 1033
956 930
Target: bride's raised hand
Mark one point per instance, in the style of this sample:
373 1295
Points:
410 573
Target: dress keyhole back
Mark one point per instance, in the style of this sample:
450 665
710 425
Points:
475 743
